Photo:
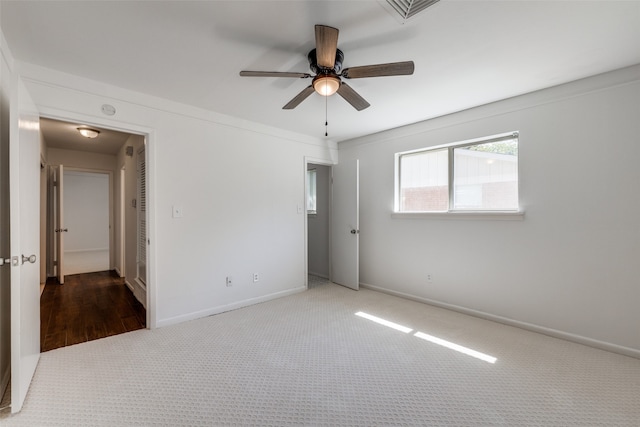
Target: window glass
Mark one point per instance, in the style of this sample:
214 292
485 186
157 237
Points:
311 191
424 181
479 176
485 176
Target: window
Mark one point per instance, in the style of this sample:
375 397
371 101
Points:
311 191
479 175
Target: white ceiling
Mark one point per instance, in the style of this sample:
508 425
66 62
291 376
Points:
466 53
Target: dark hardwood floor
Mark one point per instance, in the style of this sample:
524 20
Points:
87 307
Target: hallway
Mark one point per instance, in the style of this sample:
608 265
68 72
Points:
87 307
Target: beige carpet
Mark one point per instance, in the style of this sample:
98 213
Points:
308 359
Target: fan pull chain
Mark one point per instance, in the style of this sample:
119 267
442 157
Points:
326 116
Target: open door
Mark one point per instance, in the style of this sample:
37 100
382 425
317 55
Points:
60 230
24 214
345 226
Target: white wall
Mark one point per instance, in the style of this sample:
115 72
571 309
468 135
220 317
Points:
239 183
86 211
81 159
571 266
318 224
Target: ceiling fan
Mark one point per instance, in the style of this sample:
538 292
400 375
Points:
326 63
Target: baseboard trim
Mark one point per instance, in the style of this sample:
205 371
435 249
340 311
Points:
228 307
118 272
579 339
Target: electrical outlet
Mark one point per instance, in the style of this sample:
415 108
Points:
255 277
429 278
229 281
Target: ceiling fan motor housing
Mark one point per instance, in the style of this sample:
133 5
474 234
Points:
313 63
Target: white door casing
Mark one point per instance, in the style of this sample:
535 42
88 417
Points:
24 195
345 226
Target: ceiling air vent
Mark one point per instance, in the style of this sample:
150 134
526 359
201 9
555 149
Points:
409 8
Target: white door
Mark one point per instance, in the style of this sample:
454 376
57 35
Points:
345 231
86 217
60 230
24 194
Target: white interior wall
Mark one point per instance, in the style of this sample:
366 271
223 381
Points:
318 224
81 159
86 202
571 266
240 213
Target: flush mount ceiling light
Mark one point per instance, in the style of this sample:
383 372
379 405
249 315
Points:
89 133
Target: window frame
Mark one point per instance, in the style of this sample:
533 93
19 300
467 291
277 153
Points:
450 213
314 172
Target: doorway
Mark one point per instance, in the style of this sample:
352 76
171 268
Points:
318 209
91 291
87 206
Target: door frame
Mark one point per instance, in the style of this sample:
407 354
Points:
315 161
149 137
112 230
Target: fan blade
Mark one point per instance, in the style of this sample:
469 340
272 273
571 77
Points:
299 98
379 70
352 97
273 74
326 46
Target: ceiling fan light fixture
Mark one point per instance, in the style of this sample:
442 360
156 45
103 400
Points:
89 133
326 85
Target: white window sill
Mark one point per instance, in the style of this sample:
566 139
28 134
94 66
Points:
474 215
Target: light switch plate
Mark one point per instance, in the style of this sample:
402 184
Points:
177 212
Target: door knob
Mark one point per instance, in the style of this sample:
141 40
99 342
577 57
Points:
355 231
31 259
